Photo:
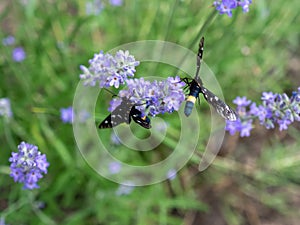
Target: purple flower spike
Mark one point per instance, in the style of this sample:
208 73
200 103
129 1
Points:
152 98
108 70
28 165
226 6
275 109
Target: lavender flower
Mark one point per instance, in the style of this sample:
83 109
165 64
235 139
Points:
116 2
18 54
275 109
171 174
114 167
94 7
9 40
109 70
241 125
241 102
244 4
152 98
67 114
280 109
28 165
125 189
226 6
5 109
2 221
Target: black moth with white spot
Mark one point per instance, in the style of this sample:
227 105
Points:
196 87
123 114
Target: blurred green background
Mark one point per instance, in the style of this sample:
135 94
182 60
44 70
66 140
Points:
253 180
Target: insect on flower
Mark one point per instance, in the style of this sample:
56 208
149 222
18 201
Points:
196 87
123 114
142 98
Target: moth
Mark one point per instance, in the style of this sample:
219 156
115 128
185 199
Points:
196 87
124 113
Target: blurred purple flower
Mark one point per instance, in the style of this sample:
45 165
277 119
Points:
125 189
94 7
241 101
244 4
233 126
226 6
9 40
116 2
28 165
5 109
244 127
171 174
83 116
114 167
18 54
67 114
2 221
115 139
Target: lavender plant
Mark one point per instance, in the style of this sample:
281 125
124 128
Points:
226 6
275 109
152 98
28 165
108 70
